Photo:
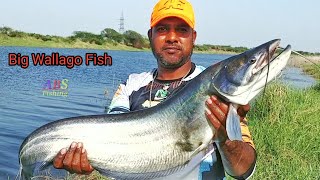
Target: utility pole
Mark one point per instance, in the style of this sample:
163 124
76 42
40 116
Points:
121 28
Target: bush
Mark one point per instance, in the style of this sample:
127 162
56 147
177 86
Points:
112 35
88 37
134 39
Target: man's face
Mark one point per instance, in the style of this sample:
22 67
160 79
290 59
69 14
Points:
172 42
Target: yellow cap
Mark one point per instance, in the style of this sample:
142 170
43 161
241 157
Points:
173 8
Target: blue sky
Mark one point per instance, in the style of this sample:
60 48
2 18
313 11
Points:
226 22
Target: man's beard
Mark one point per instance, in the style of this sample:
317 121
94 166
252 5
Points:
167 64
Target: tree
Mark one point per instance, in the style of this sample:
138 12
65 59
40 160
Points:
132 38
88 37
112 34
6 30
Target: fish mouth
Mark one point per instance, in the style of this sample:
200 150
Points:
284 51
267 56
279 59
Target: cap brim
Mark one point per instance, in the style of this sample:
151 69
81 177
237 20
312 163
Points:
158 19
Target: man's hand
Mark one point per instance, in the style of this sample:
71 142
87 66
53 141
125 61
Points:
217 114
238 157
74 159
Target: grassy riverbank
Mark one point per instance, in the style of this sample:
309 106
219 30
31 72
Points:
285 126
312 69
60 43
108 39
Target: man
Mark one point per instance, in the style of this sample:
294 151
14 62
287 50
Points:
172 37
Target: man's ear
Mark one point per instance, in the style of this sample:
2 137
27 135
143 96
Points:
149 34
194 36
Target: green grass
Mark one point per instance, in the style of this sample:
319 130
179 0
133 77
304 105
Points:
93 176
312 69
285 126
28 41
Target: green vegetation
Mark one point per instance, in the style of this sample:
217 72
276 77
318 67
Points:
107 39
132 38
309 53
312 69
284 123
93 176
218 48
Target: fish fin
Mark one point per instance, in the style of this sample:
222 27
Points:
199 149
233 124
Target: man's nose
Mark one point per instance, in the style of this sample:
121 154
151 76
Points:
172 37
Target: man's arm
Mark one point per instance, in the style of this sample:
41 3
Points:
238 157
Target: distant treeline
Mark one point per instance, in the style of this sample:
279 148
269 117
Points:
219 48
111 36
108 35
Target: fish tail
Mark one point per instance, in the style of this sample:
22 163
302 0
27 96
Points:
20 175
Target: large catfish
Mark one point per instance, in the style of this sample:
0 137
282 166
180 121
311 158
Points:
164 139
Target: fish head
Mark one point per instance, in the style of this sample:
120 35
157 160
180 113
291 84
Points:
242 69
241 77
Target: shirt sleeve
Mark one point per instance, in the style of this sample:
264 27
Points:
246 136
120 101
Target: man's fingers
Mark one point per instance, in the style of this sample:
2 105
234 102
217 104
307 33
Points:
85 166
76 167
58 160
222 105
243 110
69 156
220 133
74 159
214 121
217 112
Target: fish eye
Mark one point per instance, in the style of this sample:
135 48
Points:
252 61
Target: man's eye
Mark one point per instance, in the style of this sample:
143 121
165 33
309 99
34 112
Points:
182 29
161 29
